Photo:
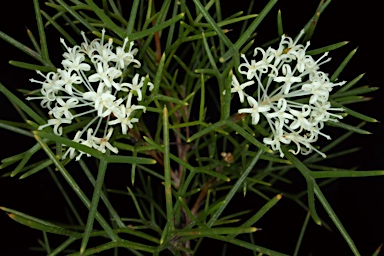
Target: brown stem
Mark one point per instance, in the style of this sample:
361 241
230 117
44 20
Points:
202 195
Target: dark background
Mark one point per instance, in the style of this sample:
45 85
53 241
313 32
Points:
359 203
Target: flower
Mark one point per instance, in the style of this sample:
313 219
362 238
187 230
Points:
240 87
292 94
255 110
90 82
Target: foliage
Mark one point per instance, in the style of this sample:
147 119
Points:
190 153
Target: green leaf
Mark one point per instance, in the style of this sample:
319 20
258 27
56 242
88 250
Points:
260 213
40 27
356 91
212 173
244 37
167 172
342 173
280 24
30 66
59 28
137 206
315 188
76 187
302 231
350 84
248 137
247 245
106 20
132 17
129 160
15 100
38 223
66 196
156 28
34 170
22 47
347 127
159 74
34 42
94 203
377 251
311 28
116 244
6 125
213 24
105 199
234 189
213 127
70 143
354 113
311 183
335 220
213 231
338 71
29 153
167 99
73 12
327 48
321 7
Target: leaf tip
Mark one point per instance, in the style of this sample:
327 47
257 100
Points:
253 229
379 248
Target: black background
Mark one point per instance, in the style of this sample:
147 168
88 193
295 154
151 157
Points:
359 203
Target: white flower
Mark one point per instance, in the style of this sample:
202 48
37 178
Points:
277 137
292 94
91 82
71 151
124 119
69 79
58 112
73 59
123 58
255 110
301 120
106 75
288 78
240 87
135 86
57 129
102 143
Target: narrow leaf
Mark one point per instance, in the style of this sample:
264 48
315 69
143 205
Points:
338 71
348 127
129 160
235 188
15 100
354 113
105 19
326 48
167 171
30 66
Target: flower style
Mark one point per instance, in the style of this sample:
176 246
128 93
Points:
91 83
292 94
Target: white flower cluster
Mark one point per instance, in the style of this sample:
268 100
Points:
91 83
290 92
